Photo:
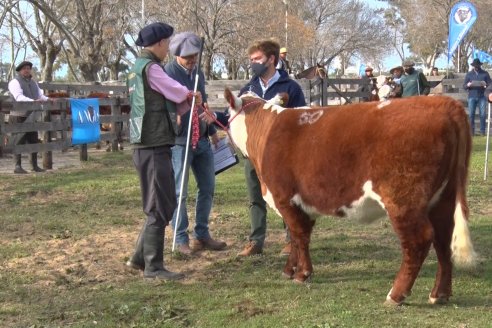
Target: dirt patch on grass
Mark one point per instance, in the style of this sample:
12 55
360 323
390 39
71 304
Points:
68 262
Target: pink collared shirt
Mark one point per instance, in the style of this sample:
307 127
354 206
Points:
169 88
16 92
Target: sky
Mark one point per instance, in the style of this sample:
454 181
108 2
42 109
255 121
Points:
388 62
394 60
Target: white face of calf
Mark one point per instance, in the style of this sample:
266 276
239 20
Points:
238 125
239 131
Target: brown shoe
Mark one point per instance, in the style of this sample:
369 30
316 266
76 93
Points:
208 243
251 248
184 249
286 250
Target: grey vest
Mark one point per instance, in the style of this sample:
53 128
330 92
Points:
29 89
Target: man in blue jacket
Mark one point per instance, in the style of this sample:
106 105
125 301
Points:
476 81
267 82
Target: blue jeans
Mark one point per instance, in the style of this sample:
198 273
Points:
201 161
481 102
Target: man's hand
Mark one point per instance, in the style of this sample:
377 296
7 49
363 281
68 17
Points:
198 98
490 97
215 139
208 117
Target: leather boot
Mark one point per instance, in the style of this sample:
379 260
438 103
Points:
18 164
153 253
207 243
34 163
137 261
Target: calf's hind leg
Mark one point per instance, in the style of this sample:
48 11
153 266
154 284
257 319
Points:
442 220
415 232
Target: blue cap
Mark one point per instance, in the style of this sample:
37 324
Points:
153 33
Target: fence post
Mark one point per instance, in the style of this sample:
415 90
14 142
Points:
64 132
324 92
2 123
83 153
308 91
115 126
48 155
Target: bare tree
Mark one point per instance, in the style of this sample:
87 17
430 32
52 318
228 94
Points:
88 26
345 27
426 29
396 27
43 37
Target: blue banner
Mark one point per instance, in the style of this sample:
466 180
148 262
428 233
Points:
462 16
85 121
482 56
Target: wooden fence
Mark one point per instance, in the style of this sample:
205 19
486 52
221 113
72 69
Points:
53 121
55 129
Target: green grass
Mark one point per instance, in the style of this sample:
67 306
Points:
66 234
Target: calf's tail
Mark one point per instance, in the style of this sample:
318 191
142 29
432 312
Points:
463 254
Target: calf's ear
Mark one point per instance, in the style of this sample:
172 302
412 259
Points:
229 97
234 102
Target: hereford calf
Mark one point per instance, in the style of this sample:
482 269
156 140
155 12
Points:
406 159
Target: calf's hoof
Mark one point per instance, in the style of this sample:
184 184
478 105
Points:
391 303
303 277
441 299
287 275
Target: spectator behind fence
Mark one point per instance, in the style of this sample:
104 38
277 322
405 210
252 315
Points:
156 100
476 81
413 82
24 88
283 63
186 47
396 74
369 85
434 71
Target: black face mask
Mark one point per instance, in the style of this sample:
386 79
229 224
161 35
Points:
259 69
409 70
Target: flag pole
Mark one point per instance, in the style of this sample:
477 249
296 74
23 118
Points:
487 145
185 164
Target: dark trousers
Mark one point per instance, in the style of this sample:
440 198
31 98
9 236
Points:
29 137
257 206
155 171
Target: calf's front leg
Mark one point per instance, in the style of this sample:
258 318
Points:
298 266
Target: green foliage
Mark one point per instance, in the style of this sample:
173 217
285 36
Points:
47 216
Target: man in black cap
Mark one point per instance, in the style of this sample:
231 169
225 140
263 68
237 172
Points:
476 81
156 100
413 82
186 47
24 88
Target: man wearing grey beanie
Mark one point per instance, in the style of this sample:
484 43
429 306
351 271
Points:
186 48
